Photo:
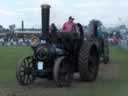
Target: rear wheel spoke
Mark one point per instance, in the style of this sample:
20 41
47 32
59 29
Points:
26 78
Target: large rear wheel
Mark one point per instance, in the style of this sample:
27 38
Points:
88 63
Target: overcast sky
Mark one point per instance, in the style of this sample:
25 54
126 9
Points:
108 11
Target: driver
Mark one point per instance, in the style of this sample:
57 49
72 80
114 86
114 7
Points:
67 27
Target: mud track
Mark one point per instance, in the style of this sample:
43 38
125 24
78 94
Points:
48 88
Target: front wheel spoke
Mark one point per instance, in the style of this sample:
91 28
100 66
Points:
26 79
22 73
22 68
25 63
33 71
31 77
22 78
30 65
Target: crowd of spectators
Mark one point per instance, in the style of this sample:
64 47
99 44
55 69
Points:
123 42
17 42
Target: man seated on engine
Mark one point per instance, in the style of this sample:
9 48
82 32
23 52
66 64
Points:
67 27
53 28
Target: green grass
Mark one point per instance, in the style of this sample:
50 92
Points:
9 56
120 56
102 87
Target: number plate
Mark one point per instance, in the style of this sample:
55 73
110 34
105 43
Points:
43 41
40 65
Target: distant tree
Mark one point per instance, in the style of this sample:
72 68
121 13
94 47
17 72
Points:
1 28
12 28
122 27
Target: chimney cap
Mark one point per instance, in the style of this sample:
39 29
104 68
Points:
45 6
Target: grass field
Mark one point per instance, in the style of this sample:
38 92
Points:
112 79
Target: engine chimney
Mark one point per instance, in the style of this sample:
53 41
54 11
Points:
45 15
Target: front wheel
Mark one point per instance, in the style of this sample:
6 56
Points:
62 72
25 71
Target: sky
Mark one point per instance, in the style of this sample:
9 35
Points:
110 12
